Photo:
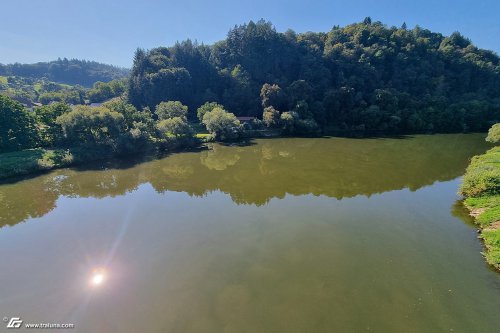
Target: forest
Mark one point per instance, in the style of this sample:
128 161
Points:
363 79
73 71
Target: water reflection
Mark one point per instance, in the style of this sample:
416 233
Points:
256 173
98 277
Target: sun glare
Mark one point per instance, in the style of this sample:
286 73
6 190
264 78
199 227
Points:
98 277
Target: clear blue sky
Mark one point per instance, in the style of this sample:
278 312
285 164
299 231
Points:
109 31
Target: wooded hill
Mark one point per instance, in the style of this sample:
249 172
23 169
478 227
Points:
74 71
365 77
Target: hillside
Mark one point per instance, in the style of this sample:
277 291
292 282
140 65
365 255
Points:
364 78
74 71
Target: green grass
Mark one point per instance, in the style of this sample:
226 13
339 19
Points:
489 216
3 79
483 202
492 241
483 175
481 188
491 205
33 160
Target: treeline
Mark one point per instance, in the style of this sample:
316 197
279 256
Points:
31 90
364 78
72 71
115 127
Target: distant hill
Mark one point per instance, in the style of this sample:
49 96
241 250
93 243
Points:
72 71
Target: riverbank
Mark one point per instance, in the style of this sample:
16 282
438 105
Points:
25 162
39 160
481 190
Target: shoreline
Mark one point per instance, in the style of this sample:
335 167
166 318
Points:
481 197
485 233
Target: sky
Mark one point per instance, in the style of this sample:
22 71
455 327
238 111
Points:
110 31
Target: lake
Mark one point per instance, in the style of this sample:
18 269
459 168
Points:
274 235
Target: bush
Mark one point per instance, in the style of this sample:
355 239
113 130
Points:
171 109
176 127
17 126
207 107
494 134
222 124
271 117
92 126
50 133
483 175
288 121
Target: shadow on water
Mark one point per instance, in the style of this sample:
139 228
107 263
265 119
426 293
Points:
254 172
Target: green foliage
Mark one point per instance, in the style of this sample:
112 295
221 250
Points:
483 175
494 134
222 124
483 202
50 133
70 96
171 109
481 187
102 91
71 71
29 90
139 131
289 121
490 215
92 126
176 127
207 107
492 241
17 126
272 95
364 78
271 117
33 160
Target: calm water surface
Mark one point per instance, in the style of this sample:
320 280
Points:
281 235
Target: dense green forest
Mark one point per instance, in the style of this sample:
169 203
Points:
73 71
364 78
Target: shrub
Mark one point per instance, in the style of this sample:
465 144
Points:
494 134
222 124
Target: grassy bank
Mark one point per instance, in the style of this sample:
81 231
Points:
481 190
30 161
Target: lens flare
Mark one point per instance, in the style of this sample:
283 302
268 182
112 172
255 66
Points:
98 277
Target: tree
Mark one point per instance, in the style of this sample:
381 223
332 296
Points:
17 126
363 76
171 109
271 95
271 117
207 107
288 121
222 124
494 134
92 126
50 132
102 91
176 127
